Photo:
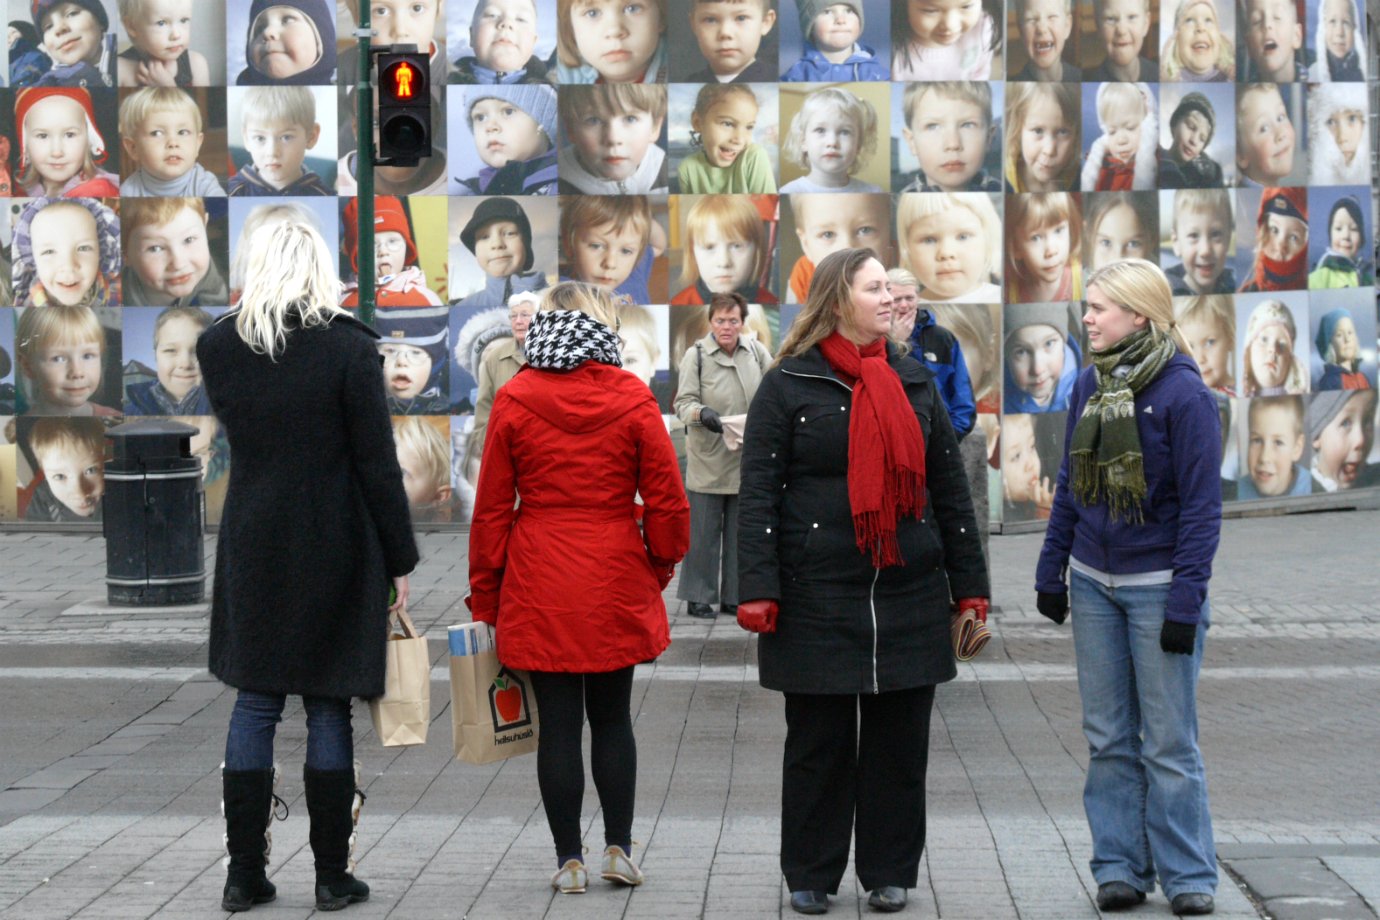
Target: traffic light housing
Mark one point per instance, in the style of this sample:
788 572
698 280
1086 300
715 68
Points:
404 88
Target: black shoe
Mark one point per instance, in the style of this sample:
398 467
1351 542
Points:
730 609
1112 896
331 805
341 894
888 899
701 611
247 796
1192 904
809 902
238 897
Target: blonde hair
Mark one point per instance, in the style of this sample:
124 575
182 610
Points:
828 305
971 91
1139 286
1214 309
634 319
1113 98
622 211
294 104
289 269
56 325
1255 89
427 444
139 212
1213 201
737 218
973 322
70 434
902 277
566 48
1020 98
1170 65
837 99
584 298
1028 213
150 100
577 101
259 216
915 206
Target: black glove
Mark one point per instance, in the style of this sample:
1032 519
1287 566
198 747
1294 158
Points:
710 419
1178 638
1052 606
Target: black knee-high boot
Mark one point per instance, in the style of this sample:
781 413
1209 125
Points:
334 811
248 805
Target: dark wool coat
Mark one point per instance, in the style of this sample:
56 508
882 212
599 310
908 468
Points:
845 627
316 519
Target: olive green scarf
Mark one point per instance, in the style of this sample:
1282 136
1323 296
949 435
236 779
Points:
1105 453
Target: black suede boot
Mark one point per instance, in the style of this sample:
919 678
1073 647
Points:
248 805
333 810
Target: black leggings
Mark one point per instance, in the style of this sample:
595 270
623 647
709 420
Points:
563 702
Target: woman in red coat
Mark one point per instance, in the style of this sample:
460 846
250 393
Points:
570 583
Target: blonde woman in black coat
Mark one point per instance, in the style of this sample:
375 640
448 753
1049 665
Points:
315 526
848 452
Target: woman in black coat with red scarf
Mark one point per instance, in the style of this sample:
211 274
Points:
848 451
315 526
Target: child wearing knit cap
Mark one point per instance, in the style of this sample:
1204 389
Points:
159 52
414 344
277 127
66 252
1269 366
503 34
514 130
1185 163
1346 263
1341 424
1340 44
610 41
76 34
1041 358
500 237
1338 140
1281 242
60 147
832 52
399 280
1124 157
1339 348
289 41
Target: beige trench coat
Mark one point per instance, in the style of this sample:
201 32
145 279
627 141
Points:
726 383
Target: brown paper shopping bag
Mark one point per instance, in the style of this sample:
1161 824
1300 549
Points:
402 714
493 709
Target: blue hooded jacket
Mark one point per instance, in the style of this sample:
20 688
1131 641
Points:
937 348
814 67
1181 442
1016 401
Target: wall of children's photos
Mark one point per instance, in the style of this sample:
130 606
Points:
997 151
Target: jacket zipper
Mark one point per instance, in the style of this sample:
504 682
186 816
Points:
818 377
872 603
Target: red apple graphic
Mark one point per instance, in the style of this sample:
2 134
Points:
508 699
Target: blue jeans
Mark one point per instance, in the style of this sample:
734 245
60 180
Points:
249 743
1146 792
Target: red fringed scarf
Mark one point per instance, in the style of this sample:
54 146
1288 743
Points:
886 451
1274 275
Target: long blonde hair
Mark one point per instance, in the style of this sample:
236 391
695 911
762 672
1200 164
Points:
289 268
1140 286
826 306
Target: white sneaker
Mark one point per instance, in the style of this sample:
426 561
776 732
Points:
619 867
570 878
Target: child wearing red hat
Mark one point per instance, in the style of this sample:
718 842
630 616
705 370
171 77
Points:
1281 242
60 146
76 34
399 280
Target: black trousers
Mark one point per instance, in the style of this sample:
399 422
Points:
563 702
841 780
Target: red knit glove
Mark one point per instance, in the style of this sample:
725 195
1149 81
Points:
979 606
757 616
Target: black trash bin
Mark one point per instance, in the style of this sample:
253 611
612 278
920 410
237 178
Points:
152 515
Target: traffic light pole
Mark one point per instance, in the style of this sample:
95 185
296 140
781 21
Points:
364 165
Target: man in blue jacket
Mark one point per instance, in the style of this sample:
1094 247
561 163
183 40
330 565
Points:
933 346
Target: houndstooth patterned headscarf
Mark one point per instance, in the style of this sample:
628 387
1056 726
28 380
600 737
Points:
562 340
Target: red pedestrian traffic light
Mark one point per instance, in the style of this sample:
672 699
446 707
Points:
404 106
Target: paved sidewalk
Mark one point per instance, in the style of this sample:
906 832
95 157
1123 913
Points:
112 734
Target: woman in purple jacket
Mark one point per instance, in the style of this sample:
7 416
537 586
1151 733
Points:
1136 516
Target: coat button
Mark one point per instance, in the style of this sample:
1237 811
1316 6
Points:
802 418
815 525
963 530
768 530
843 408
773 456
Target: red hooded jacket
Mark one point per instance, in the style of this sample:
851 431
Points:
566 577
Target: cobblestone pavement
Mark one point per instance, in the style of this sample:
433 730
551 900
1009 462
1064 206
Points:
112 733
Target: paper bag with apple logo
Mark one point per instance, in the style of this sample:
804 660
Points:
493 709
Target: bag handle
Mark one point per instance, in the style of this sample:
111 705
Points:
408 630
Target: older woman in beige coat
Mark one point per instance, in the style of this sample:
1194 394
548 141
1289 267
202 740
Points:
719 375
